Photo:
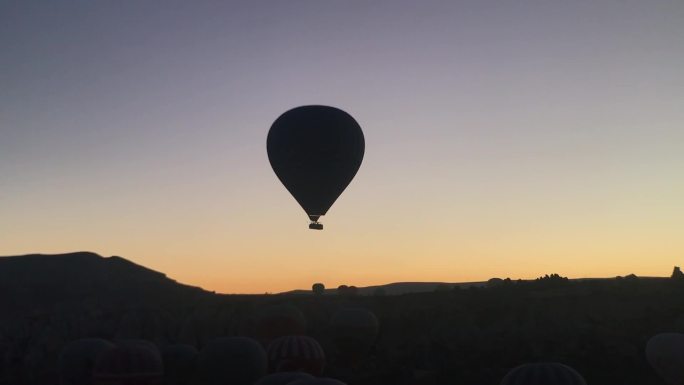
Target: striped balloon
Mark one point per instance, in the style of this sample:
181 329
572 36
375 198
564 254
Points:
296 353
129 364
547 373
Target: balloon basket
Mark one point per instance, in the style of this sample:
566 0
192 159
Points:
315 226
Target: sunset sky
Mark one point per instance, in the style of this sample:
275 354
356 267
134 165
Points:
503 138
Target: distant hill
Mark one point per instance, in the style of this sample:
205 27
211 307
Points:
45 279
398 288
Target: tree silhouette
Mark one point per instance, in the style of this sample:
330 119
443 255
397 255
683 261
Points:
342 290
379 292
318 288
442 288
677 273
551 280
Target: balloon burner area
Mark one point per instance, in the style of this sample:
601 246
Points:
315 225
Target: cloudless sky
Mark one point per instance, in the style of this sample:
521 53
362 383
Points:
503 138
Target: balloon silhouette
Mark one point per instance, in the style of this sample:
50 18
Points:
231 360
179 364
665 353
77 359
277 321
296 353
283 378
544 373
315 151
129 364
354 331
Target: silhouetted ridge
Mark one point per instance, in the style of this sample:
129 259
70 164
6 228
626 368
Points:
398 288
64 268
43 278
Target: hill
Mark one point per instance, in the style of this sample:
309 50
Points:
427 335
398 288
39 279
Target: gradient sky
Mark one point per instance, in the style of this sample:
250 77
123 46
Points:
503 138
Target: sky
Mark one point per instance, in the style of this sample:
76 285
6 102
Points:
503 138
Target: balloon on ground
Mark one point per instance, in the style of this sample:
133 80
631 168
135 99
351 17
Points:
546 373
77 359
231 360
296 353
665 354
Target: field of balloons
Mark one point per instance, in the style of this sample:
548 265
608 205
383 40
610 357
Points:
606 332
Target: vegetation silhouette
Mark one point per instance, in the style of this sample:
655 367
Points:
62 313
318 288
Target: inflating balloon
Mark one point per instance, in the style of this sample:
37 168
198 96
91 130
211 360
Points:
77 359
315 151
296 353
140 343
275 321
354 331
231 360
317 381
179 364
129 364
665 353
546 373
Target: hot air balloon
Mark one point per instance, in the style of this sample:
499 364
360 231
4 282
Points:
665 353
77 359
231 360
129 364
296 353
315 151
354 331
545 373
283 378
141 343
280 320
317 381
179 364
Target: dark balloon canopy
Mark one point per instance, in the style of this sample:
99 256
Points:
315 151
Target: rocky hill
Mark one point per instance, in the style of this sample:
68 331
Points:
37 280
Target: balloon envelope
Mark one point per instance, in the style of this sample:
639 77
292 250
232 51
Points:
179 364
353 332
232 360
545 373
665 353
317 381
77 359
283 378
280 320
129 364
296 353
315 151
